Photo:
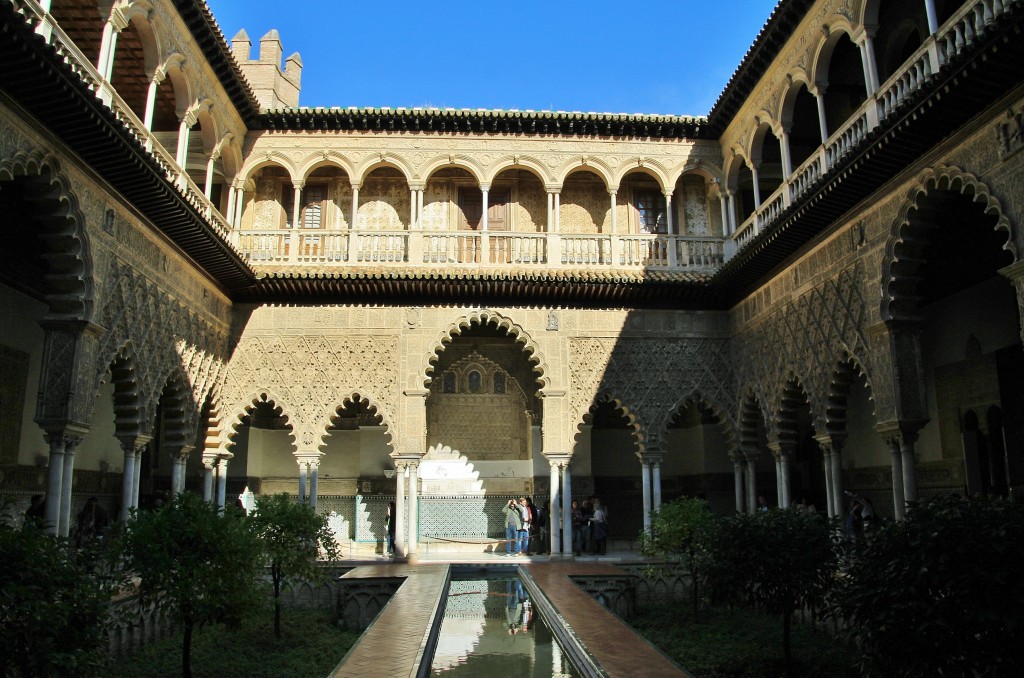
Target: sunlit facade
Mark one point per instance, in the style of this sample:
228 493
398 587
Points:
813 290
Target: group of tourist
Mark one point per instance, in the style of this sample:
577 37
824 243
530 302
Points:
589 527
91 524
525 529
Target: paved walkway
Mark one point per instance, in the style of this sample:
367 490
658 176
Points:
395 642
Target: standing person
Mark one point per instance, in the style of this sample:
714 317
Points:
577 528
513 523
536 544
524 530
588 529
389 523
599 529
762 504
36 512
92 522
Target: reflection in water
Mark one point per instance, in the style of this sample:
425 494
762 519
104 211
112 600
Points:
490 627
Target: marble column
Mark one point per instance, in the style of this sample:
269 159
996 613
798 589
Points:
737 478
751 484
414 503
208 467
400 532
222 482
656 482
554 524
645 480
899 503
54 482
303 473
566 509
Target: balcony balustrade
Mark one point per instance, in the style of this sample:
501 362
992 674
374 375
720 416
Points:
458 249
963 29
542 250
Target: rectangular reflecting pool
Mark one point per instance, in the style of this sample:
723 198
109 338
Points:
492 628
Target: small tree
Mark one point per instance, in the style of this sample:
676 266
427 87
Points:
53 607
939 593
199 566
292 536
780 561
679 531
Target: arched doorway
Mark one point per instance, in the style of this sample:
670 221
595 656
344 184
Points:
484 418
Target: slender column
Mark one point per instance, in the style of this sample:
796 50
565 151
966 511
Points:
656 482
303 471
787 160
178 471
54 482
615 219
64 526
551 209
555 543
353 237
400 532
127 477
645 479
751 485
819 97
724 202
314 472
154 84
669 221
909 467
414 505
483 214
786 456
870 63
566 509
778 480
558 212
837 480
899 503
297 205
239 206
485 242
137 476
222 482
230 215
737 476
106 47
826 453
732 213
757 187
183 132
208 467
419 208
208 184
933 17
412 208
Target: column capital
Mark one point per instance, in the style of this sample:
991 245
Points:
834 441
135 443
900 433
417 185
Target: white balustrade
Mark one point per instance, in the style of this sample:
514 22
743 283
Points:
381 246
771 208
646 250
848 135
586 250
967 25
86 70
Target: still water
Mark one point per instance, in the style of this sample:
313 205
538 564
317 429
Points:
491 628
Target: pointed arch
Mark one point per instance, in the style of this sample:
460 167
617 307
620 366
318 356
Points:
629 413
485 317
725 422
240 411
357 397
61 227
847 369
908 239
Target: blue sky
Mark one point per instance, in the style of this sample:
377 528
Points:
646 56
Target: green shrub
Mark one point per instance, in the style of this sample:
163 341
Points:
941 592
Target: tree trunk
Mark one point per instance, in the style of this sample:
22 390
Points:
696 599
